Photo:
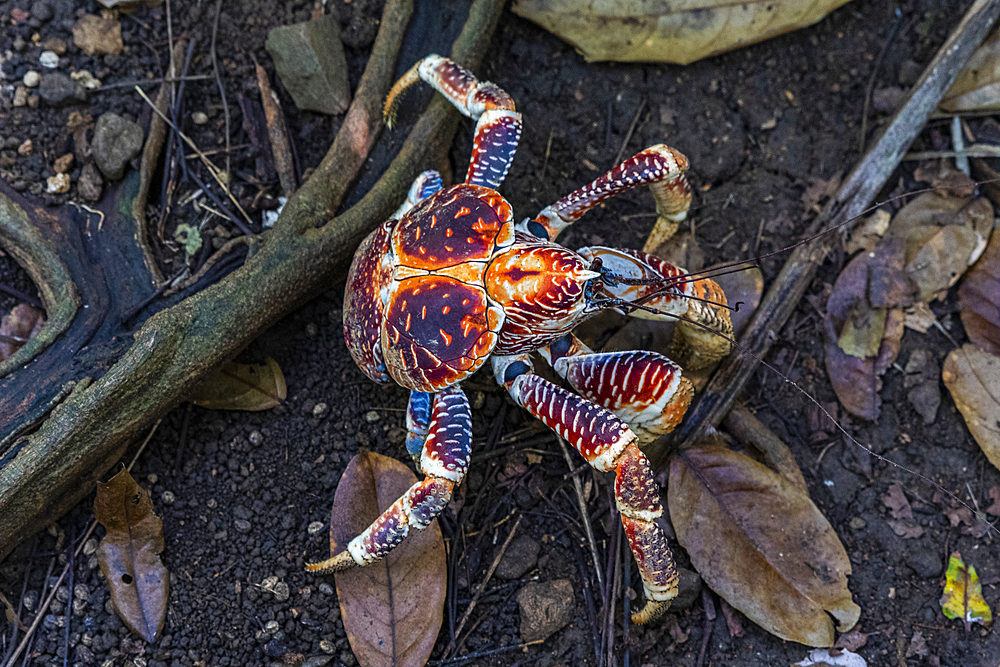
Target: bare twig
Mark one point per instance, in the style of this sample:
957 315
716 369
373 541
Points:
218 82
277 132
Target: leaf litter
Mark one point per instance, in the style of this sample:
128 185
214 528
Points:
963 594
129 554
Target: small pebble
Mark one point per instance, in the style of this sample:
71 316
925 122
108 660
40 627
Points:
153 478
49 59
62 165
62 594
372 416
86 79
81 592
311 330
268 583
31 78
57 184
199 117
56 45
857 523
281 591
256 439
41 11
326 589
20 96
272 626
25 148
90 546
320 410
242 525
168 497
315 527
327 646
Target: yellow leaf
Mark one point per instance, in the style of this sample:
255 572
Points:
963 594
236 386
675 31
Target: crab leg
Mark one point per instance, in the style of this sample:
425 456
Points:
607 443
444 460
498 128
660 167
643 388
423 186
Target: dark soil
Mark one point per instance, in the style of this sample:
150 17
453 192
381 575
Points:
237 491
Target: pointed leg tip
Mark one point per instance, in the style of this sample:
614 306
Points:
339 563
652 611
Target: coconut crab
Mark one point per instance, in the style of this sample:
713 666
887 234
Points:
450 282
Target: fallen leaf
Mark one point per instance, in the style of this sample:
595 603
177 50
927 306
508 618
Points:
869 283
942 260
392 609
977 85
973 378
234 386
852 640
908 529
11 614
897 503
963 594
994 508
761 544
832 658
919 317
679 31
866 236
17 327
98 34
129 554
921 383
918 645
819 190
979 299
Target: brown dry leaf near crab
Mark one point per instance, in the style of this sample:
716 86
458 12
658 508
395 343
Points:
669 31
391 611
129 554
236 386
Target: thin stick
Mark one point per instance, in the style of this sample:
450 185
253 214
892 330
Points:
631 129
581 504
480 588
277 132
218 81
975 150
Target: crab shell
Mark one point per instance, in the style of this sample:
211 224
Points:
416 308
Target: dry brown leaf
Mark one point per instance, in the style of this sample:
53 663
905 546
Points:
973 378
251 387
675 31
129 554
868 233
761 543
921 383
98 34
392 609
977 85
870 278
979 299
17 327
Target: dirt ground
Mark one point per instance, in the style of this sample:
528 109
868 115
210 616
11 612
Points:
237 491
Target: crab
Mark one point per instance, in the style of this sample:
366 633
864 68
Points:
450 282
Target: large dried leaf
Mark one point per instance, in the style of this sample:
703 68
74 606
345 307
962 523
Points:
761 544
863 316
675 31
977 85
973 378
963 594
979 299
391 609
129 554
17 327
236 386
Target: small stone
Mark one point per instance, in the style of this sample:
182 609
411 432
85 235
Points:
31 78
89 186
372 416
281 591
327 646
317 660
49 59
30 599
81 592
96 34
57 184
168 497
41 11
271 627
154 478
520 557
315 527
857 523
116 141
20 96
86 79
326 589
25 148
546 607
56 45
62 165
320 410
256 438
925 562
90 546
309 59
199 117
58 90
62 594
242 525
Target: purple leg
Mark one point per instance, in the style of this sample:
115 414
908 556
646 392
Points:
660 167
498 128
444 461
